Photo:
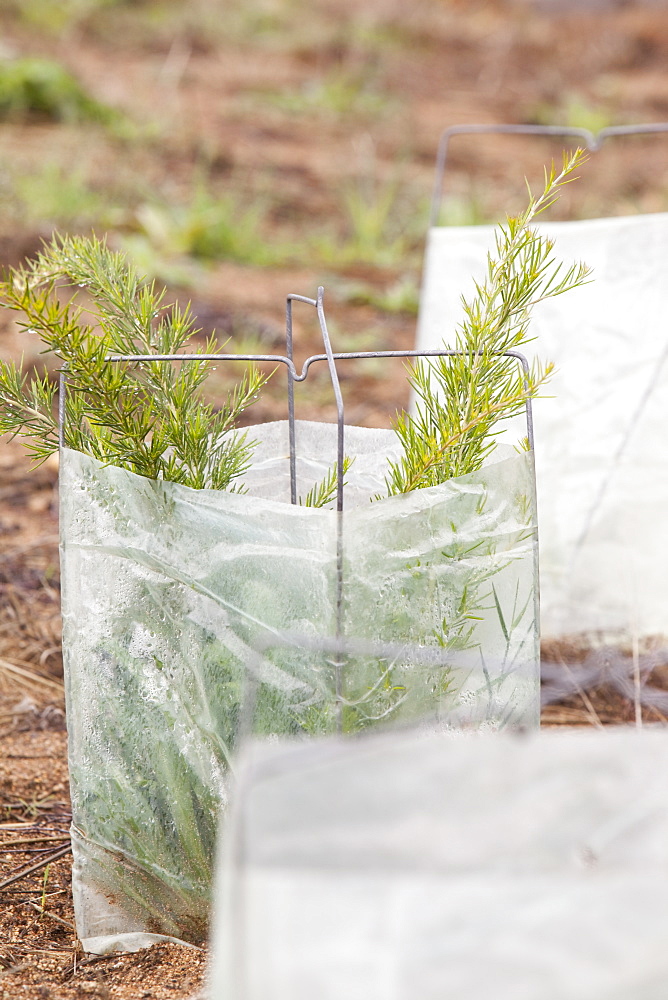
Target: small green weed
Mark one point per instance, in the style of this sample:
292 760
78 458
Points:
338 93
158 264
57 16
206 24
464 210
258 22
402 296
574 111
32 87
62 197
208 228
382 226
45 880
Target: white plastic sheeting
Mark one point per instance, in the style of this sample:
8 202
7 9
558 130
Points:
601 443
175 599
448 868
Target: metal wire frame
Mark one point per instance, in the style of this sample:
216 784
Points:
592 141
293 376
330 357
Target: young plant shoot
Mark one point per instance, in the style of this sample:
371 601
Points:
144 416
462 399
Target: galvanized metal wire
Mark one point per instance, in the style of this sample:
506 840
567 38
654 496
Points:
293 376
592 141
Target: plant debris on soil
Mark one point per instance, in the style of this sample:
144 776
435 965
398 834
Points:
304 121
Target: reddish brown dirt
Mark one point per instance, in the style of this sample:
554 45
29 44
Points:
434 64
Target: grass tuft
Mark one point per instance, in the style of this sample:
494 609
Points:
381 225
207 228
35 88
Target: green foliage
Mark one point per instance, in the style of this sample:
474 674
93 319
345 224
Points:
33 87
160 265
337 94
469 209
204 24
574 111
461 400
45 880
402 296
324 492
207 228
57 16
382 225
62 197
147 417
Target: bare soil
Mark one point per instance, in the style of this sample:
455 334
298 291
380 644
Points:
213 97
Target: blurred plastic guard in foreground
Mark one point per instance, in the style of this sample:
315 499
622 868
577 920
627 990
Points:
464 866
